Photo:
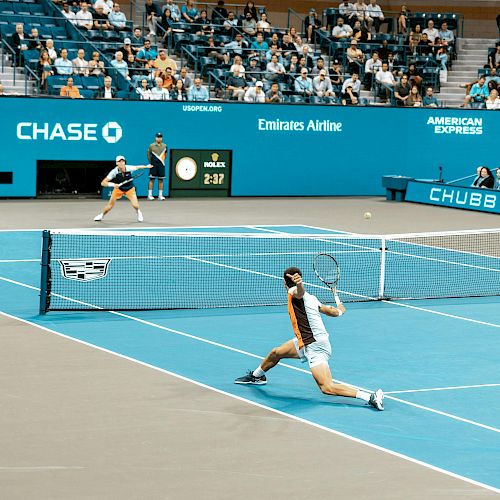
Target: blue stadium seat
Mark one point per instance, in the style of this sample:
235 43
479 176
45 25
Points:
88 94
58 33
36 9
31 58
123 94
90 82
110 36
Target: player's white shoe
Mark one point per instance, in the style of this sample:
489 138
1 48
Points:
151 197
377 400
161 197
140 217
99 217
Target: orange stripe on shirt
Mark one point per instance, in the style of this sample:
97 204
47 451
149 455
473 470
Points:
293 318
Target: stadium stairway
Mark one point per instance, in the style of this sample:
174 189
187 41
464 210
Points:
7 78
472 55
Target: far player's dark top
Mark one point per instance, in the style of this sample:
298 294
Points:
117 177
157 153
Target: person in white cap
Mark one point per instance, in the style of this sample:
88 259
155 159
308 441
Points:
255 94
122 182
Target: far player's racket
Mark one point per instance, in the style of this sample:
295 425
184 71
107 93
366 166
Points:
133 178
328 271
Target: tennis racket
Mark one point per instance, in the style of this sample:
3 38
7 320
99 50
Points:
328 271
133 178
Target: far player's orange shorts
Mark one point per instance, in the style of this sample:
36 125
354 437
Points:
117 193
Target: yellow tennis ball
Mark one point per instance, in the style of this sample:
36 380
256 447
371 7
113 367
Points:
367 215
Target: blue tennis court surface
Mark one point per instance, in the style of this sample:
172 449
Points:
437 360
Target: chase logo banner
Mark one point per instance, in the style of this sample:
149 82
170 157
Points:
84 269
112 132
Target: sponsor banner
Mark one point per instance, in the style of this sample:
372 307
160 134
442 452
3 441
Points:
433 193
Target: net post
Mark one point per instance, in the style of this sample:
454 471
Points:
45 273
383 249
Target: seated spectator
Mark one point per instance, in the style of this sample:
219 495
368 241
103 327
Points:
231 22
185 78
429 100
144 91
250 9
304 54
494 58
430 31
253 73
446 35
216 51
354 82
80 64
355 57
262 25
342 30
137 39
107 92
101 21
415 99
153 13
349 97
120 65
136 70
69 90
49 47
303 84
372 66
162 62
249 25
274 49
415 37
178 93
204 25
287 46
106 5
96 66
126 49
63 65
34 42
403 19
44 69
198 92
346 10
158 92
84 19
275 70
402 91
167 24
424 47
478 93
69 14
384 50
320 64
236 86
299 44
493 101
484 178
255 94
236 46
311 24
117 18
219 13
237 65
168 78
374 16
391 62
293 67
414 76
360 33
19 43
322 86
146 54
386 80
259 46
175 12
442 59
273 95
189 12
359 11
336 73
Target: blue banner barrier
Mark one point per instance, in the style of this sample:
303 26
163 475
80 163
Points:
277 150
432 193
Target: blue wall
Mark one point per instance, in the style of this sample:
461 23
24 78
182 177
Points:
345 153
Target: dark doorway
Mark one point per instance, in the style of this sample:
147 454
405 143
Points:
70 179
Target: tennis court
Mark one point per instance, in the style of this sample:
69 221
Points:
436 359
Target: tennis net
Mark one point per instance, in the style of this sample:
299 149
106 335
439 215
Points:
122 270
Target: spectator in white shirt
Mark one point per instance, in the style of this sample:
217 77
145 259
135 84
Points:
432 32
354 82
342 30
69 14
80 64
255 94
175 12
120 65
107 92
493 101
346 9
117 18
386 80
322 85
49 47
84 18
107 5
372 66
359 10
446 35
63 65
144 91
158 93
275 70
374 16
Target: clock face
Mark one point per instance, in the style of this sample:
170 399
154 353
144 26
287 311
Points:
186 168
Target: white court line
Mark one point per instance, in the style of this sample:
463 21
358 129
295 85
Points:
443 388
258 405
3 261
224 346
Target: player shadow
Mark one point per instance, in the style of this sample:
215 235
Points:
290 402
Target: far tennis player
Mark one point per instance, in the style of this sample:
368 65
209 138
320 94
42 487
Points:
310 344
121 173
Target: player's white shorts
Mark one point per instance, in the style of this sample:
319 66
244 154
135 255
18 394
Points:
315 354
